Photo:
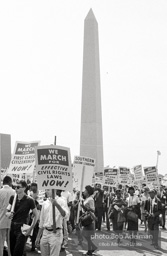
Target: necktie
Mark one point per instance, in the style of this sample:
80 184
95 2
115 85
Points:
131 200
151 207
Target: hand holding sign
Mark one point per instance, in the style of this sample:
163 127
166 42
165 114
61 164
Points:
54 202
9 215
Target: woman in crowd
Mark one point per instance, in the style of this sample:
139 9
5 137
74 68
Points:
143 199
75 207
118 218
89 207
132 214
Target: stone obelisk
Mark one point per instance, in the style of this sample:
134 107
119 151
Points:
91 139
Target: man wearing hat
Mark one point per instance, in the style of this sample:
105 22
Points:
153 209
163 199
118 218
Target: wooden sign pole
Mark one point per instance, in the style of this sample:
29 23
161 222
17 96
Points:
53 207
80 195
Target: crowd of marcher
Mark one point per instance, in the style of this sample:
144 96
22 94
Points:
49 224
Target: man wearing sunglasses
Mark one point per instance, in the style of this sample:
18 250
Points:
19 217
163 199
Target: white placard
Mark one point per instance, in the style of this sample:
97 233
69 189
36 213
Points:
138 174
23 158
79 162
123 175
53 167
111 177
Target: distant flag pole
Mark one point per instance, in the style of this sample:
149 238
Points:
158 154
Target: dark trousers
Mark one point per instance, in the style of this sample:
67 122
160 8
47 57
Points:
73 212
88 233
17 240
34 235
98 214
163 218
107 219
91 245
154 230
103 216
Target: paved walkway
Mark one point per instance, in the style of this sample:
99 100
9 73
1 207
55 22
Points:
107 244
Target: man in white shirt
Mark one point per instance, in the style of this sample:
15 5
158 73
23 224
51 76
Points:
51 241
5 193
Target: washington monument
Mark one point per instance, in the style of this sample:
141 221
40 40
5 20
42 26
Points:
91 138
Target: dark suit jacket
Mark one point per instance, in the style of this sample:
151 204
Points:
157 209
99 199
163 199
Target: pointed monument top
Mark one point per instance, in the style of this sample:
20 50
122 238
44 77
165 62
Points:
90 15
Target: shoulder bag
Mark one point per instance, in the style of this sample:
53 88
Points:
86 219
132 216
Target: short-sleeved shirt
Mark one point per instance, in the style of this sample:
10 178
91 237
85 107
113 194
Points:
133 200
22 208
90 201
5 193
46 217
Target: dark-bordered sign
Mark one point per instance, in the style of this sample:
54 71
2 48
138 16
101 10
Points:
53 167
52 156
23 158
151 175
111 177
123 175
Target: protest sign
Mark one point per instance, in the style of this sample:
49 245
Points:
23 158
97 180
99 176
79 162
3 173
111 177
123 175
84 160
140 183
138 174
164 180
151 176
53 167
131 181
17 177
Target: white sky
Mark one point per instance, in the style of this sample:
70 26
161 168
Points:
41 51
